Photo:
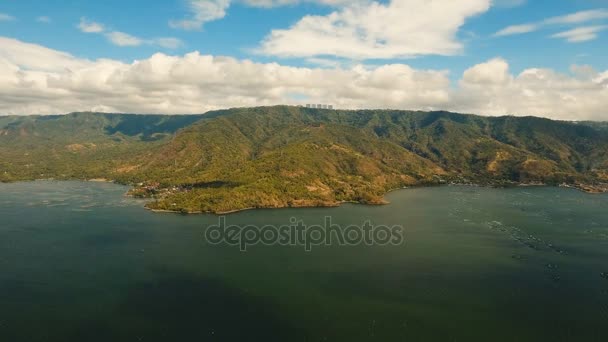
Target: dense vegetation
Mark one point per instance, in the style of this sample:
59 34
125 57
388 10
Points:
292 156
79 145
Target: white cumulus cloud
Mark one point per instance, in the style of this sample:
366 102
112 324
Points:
88 26
38 80
489 88
364 30
123 39
202 11
357 29
277 3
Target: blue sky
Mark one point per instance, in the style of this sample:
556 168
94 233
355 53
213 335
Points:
244 27
278 31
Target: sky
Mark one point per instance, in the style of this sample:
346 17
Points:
489 57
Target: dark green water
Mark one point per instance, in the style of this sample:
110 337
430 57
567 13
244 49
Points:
79 262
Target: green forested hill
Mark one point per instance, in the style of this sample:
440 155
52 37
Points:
292 156
79 145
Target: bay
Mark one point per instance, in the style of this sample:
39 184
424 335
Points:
81 262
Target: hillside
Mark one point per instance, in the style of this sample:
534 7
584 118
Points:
291 156
79 145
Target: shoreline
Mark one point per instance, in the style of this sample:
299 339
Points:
588 189
100 180
339 204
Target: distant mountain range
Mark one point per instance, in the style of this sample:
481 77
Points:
271 157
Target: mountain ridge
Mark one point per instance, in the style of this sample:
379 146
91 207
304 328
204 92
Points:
286 156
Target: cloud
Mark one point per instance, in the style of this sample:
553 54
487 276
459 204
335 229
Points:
579 17
270 3
490 88
517 29
43 19
581 34
195 83
492 72
324 62
569 19
168 42
202 11
123 39
6 17
360 29
32 57
39 80
87 26
277 3
398 29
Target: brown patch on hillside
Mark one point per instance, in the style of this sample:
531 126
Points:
537 168
319 187
494 165
127 168
292 173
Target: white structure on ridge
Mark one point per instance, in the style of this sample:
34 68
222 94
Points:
319 106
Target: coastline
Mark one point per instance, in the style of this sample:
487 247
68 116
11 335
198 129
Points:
100 180
585 188
166 211
385 202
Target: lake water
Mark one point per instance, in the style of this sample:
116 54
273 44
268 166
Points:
80 262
